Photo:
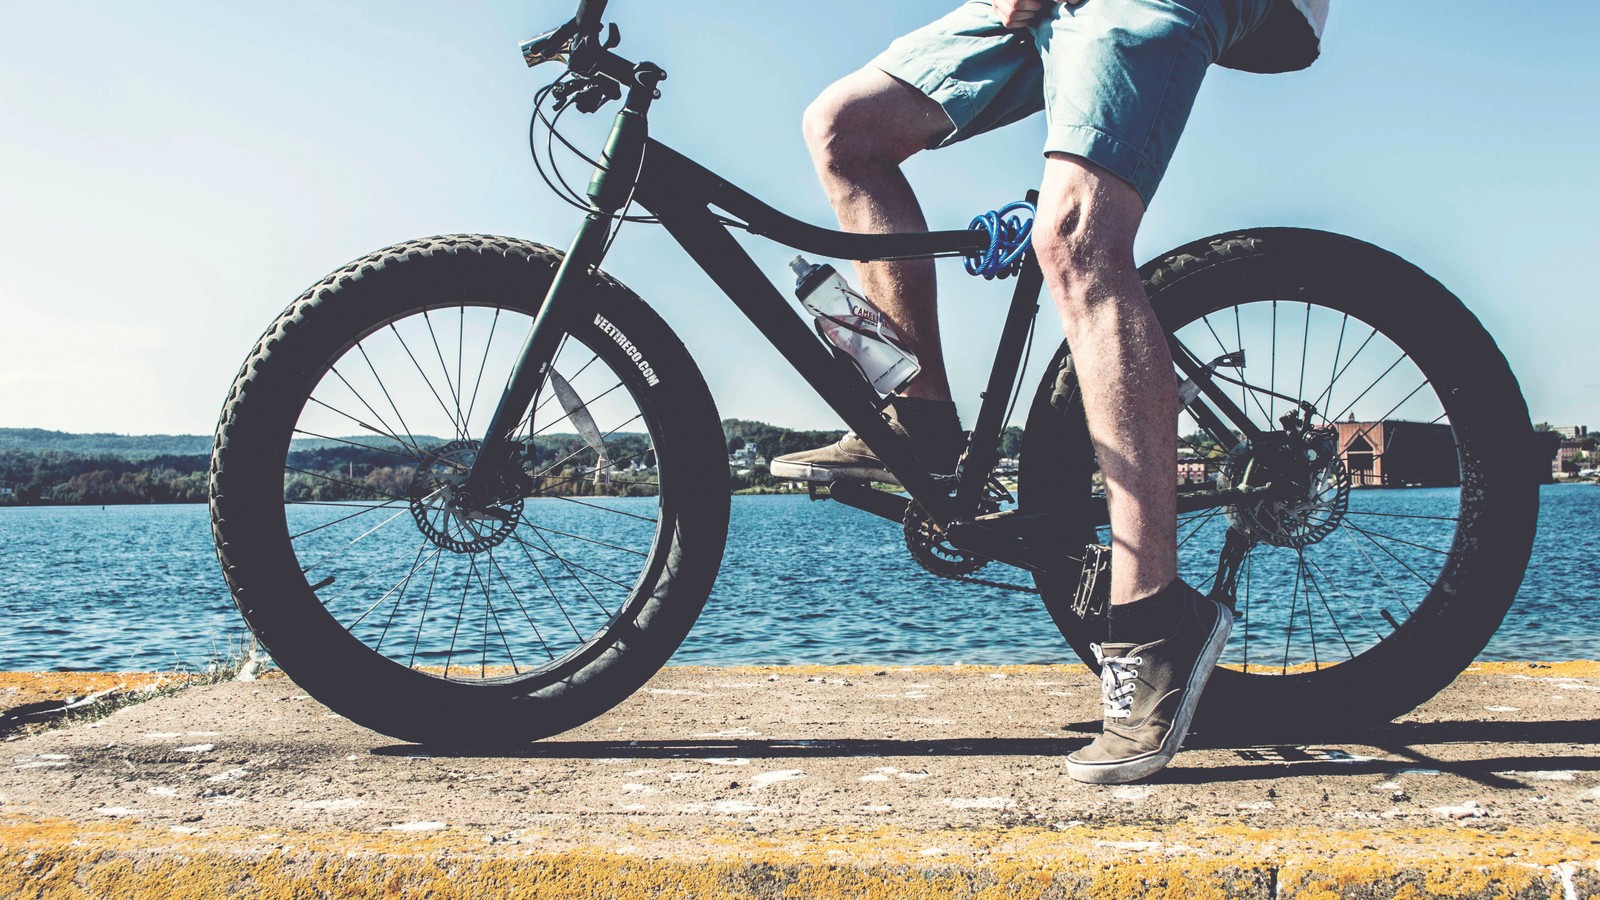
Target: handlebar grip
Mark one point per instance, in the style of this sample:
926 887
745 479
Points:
589 13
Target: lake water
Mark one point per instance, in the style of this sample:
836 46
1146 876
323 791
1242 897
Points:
138 588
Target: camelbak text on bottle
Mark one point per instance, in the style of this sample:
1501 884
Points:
848 321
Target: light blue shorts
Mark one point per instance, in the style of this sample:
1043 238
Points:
1116 78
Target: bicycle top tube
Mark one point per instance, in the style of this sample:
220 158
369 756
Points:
670 179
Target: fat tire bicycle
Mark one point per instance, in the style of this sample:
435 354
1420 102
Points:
501 579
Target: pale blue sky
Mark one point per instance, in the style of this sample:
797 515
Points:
172 174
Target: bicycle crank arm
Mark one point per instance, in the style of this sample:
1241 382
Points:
866 498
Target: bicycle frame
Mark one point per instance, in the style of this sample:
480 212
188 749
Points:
681 194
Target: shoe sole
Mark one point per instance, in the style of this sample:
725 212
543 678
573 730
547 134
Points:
808 472
1145 766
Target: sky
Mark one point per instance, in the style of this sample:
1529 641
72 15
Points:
173 174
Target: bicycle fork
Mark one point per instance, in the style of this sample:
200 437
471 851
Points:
609 189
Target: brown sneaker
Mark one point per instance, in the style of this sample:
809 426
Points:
1150 692
932 423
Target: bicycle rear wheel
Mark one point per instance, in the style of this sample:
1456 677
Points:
1355 601
346 437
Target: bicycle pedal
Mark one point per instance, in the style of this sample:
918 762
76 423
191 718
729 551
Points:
1094 583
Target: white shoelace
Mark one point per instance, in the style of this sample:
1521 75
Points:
1117 674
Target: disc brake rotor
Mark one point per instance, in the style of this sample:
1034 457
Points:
1298 521
442 518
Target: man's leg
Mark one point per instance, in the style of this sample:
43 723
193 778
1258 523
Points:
859 131
1164 636
1084 237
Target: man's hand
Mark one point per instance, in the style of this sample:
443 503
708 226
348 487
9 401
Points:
1017 13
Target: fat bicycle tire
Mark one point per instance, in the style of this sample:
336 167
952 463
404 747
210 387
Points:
1455 611
380 689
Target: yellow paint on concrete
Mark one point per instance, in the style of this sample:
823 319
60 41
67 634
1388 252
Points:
1572 668
21 688
17 688
56 858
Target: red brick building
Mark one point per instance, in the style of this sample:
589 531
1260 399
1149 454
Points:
1394 453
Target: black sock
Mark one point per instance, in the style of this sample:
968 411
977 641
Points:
1148 618
917 415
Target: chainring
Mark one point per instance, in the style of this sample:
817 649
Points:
926 542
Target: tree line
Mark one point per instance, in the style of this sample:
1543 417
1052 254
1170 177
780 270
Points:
370 467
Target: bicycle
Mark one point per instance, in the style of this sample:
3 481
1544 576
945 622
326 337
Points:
547 563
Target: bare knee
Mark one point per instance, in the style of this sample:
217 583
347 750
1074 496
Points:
868 119
1083 236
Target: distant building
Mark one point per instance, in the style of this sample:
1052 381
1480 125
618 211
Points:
1395 453
1569 458
1192 471
748 455
1572 432
6 490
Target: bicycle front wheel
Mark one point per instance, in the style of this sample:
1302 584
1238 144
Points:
347 436
1389 412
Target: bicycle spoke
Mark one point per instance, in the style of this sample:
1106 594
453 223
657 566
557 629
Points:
608 509
455 395
539 635
472 404
561 607
489 612
1328 391
1339 596
1399 540
466 587
387 428
425 379
364 510
353 541
569 565
1377 571
1311 622
1213 514
416 564
422 620
369 427
1272 369
1351 405
413 456
558 463
1387 552
400 600
1359 512
580 537
1305 348
386 395
1288 637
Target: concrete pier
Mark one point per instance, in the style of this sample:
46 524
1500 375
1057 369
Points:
808 782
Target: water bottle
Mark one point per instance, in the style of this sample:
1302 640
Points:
848 321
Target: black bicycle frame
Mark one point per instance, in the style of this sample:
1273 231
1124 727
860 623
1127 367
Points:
682 195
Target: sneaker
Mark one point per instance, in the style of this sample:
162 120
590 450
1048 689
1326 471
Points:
932 423
1151 691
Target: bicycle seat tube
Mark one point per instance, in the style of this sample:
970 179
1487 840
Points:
609 188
